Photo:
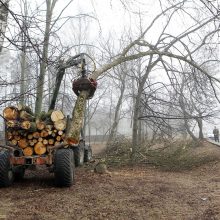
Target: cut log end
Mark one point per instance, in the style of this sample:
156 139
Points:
10 113
57 115
40 125
23 143
28 151
60 125
40 148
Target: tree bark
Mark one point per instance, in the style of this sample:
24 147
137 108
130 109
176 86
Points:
3 21
23 74
117 111
44 59
137 105
200 125
73 135
59 77
185 114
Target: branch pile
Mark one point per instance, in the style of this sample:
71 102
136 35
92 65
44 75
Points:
33 135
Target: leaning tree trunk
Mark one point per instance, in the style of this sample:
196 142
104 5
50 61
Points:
73 135
59 77
3 21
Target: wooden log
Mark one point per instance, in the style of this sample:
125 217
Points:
49 127
25 108
57 115
40 139
63 136
30 136
14 142
15 133
25 125
45 116
49 148
36 134
58 138
42 116
60 125
73 135
26 116
28 125
28 151
24 134
53 134
40 148
60 132
49 132
44 133
23 143
17 137
45 142
57 143
31 143
51 141
35 141
10 113
40 125
12 124
9 135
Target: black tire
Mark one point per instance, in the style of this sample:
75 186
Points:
78 156
88 154
64 168
6 173
19 173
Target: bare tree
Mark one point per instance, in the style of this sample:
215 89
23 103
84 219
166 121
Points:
3 20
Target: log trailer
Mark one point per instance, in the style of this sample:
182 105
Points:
45 139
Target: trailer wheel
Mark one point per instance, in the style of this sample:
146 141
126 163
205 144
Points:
64 168
78 156
6 173
88 154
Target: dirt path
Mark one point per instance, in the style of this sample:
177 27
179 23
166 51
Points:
126 193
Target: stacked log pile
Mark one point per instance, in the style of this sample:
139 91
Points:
34 135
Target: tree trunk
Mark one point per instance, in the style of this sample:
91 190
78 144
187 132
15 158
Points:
73 135
117 111
44 59
23 74
3 21
186 124
139 131
137 105
200 125
59 77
